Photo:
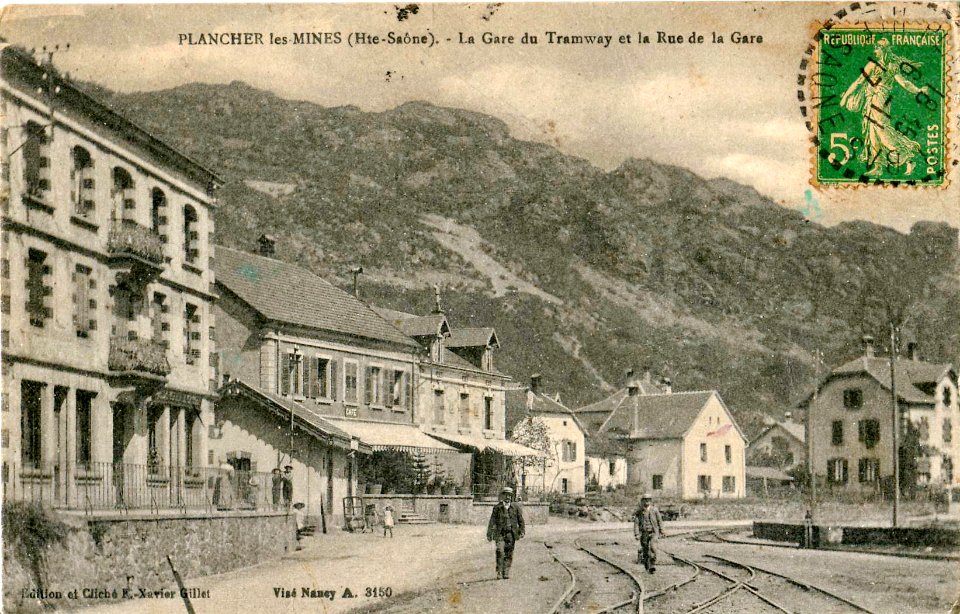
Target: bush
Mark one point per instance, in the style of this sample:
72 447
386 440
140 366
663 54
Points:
31 530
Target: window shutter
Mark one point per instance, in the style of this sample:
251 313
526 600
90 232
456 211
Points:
367 387
309 369
388 376
334 379
845 474
284 373
408 385
573 451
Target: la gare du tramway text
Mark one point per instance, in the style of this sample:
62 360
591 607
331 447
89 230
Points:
487 38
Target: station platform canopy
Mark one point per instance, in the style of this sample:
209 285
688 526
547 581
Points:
507 448
391 436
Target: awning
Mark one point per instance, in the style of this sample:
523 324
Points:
388 436
502 446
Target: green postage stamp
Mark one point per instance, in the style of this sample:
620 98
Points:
882 95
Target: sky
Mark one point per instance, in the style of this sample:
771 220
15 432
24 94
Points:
727 110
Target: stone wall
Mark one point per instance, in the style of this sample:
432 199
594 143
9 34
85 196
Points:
129 552
860 536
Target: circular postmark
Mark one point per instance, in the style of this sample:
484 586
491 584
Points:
876 87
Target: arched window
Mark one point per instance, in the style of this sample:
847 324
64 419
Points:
123 196
158 213
36 161
191 234
82 188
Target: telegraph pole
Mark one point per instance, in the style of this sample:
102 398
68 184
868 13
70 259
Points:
895 410
809 435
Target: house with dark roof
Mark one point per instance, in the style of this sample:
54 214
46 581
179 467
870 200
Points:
852 428
562 469
677 444
781 445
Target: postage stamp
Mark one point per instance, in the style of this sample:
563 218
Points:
882 113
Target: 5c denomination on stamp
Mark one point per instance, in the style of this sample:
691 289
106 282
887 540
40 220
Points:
881 93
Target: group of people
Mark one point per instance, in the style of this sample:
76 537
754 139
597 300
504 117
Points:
282 487
506 527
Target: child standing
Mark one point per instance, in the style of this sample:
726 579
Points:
388 521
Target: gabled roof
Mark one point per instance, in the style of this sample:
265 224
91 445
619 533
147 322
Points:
661 416
472 337
412 325
284 407
909 374
794 429
288 294
521 402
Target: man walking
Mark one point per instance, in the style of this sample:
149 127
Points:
647 527
505 528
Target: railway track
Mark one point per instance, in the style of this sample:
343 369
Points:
598 583
720 584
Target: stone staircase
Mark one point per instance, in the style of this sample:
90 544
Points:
408 516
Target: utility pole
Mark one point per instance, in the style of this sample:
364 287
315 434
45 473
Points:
895 410
812 506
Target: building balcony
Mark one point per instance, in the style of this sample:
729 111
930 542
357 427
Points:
139 358
135 250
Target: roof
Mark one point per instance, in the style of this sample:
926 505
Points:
412 325
390 436
286 293
770 473
472 337
315 423
909 375
794 429
661 416
18 64
521 402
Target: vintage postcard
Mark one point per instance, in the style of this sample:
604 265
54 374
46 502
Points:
469 308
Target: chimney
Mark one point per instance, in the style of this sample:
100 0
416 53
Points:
535 383
788 416
666 385
646 374
912 351
266 245
868 346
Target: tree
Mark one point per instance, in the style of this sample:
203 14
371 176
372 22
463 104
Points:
532 432
421 471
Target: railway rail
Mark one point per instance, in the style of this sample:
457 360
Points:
592 588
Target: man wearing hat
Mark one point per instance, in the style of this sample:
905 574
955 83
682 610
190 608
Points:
505 528
286 485
647 527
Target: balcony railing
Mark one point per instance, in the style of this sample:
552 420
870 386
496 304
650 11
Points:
138 356
122 487
128 238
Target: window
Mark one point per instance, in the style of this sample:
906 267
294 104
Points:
396 396
729 483
438 409
85 427
154 423
371 386
947 395
464 409
30 409
869 470
868 431
158 319
38 288
123 195
923 429
564 485
657 482
728 453
82 188
837 471
319 378
703 483
350 382
703 452
836 437
291 373
947 431
191 334
84 303
191 235
568 450
488 413
158 213
36 161
947 469
853 398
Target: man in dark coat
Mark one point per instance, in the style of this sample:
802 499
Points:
505 528
648 528
286 485
276 487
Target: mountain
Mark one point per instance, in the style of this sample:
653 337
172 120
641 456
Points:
584 273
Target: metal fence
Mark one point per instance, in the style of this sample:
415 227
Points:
122 487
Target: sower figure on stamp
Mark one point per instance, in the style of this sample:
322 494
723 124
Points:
505 528
647 527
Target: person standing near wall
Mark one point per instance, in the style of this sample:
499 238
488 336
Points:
505 528
286 485
276 487
648 528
